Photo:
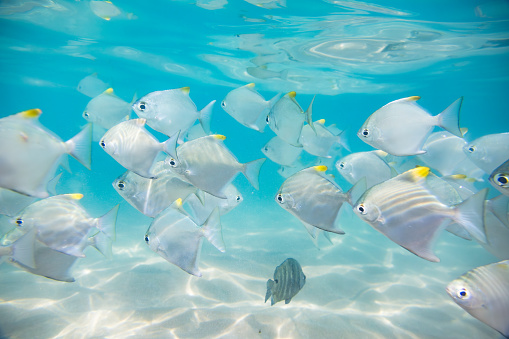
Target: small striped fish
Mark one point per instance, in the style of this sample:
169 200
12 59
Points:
288 281
484 293
405 211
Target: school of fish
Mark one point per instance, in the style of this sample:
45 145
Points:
413 186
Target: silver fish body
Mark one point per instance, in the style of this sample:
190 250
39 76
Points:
499 178
369 165
289 279
107 110
489 151
484 293
320 140
281 152
91 86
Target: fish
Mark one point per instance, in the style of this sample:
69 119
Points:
30 153
248 107
315 199
320 140
281 152
499 178
133 147
369 165
92 86
177 238
286 118
104 9
405 211
210 166
497 232
172 111
484 293
200 208
402 126
262 72
289 279
21 250
106 110
152 196
63 225
489 151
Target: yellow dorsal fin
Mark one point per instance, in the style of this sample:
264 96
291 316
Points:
219 136
75 196
419 172
413 98
31 113
185 90
292 94
108 91
320 168
251 85
178 202
321 121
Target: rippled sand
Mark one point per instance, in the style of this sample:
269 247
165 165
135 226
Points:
363 286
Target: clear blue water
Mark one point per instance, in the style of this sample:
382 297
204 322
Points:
354 56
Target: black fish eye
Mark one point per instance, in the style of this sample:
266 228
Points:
121 185
223 104
342 165
172 162
102 143
19 221
280 198
146 239
276 281
361 209
267 119
142 106
85 114
471 149
365 132
462 293
266 148
238 198
501 179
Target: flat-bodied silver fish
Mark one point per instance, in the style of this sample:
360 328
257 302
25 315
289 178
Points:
30 154
288 281
484 293
499 178
210 166
497 231
151 196
248 107
405 211
369 165
444 151
133 147
489 151
320 140
172 111
402 126
281 152
64 225
286 119
315 199
177 238
92 86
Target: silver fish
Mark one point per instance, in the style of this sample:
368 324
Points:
405 211
104 9
315 199
25 145
484 293
248 107
21 250
151 196
92 86
489 151
281 152
320 140
499 178
65 226
288 281
444 152
286 119
497 231
176 237
402 126
106 110
207 164
369 165
133 147
172 111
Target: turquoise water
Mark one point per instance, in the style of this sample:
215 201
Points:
355 57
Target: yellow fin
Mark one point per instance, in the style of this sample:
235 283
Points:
219 136
31 113
185 90
458 176
178 202
292 94
75 196
413 98
107 18
420 172
108 91
321 121
251 85
320 168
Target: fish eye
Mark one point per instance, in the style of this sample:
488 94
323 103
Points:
462 294
223 104
267 119
121 185
19 221
362 209
279 198
238 198
146 239
502 179
471 149
365 132
276 281
341 165
85 114
172 162
266 148
102 143
142 105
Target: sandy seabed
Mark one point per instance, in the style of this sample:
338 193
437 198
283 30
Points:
362 286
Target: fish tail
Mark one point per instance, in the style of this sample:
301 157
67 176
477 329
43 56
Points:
80 146
470 214
355 192
449 118
170 145
205 116
251 171
102 243
212 230
270 283
22 250
107 223
309 113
